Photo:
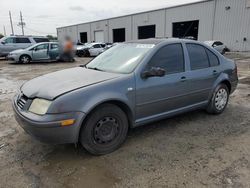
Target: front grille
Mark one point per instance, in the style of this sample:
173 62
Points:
21 101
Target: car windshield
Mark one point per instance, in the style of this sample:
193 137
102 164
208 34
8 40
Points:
122 58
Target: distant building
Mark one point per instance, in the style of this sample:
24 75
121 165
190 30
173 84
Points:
224 20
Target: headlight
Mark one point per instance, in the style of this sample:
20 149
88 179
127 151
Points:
39 106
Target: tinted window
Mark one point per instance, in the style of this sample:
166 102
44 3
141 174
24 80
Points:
42 47
218 43
212 58
96 46
41 40
103 45
22 40
10 40
170 58
54 46
198 56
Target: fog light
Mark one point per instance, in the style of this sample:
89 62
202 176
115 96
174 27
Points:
67 122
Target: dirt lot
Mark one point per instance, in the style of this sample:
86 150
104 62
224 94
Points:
191 150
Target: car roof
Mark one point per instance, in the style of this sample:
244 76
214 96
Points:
156 41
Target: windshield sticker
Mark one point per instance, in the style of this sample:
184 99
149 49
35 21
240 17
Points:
145 45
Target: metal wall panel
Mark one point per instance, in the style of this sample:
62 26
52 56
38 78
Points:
122 22
203 12
150 18
232 24
99 26
84 28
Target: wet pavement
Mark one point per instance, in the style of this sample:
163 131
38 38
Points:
191 150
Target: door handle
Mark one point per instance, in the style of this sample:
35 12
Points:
183 78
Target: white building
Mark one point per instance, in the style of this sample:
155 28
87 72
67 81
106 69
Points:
224 20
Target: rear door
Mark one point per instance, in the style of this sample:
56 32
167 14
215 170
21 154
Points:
203 71
41 52
53 51
95 50
23 42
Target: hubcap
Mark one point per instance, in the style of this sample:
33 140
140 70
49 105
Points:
106 130
25 59
221 99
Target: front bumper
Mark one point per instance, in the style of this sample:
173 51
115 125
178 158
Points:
47 128
13 58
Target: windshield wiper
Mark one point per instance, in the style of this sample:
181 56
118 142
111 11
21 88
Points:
94 68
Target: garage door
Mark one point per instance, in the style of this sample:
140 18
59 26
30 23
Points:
99 36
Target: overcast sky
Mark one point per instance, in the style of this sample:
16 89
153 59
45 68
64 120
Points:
42 17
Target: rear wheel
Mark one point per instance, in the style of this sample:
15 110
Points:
219 100
105 130
24 59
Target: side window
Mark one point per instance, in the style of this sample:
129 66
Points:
198 56
54 46
218 43
96 46
42 47
22 40
41 40
170 58
212 58
103 45
10 40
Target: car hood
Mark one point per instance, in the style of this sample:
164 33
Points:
52 85
17 51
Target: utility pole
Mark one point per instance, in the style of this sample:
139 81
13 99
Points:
4 31
11 23
21 23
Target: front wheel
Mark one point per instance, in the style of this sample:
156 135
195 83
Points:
25 59
219 100
104 130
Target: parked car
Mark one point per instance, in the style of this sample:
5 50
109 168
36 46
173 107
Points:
44 51
10 43
218 45
91 49
81 49
129 85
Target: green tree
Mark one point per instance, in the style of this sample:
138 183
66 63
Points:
50 37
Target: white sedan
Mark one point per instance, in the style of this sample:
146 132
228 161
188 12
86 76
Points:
218 45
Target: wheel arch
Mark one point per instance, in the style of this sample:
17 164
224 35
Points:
122 105
26 55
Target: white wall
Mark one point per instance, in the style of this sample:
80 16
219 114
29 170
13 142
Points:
99 26
84 28
149 18
122 22
232 25
202 12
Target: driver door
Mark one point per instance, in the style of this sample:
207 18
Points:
156 96
41 52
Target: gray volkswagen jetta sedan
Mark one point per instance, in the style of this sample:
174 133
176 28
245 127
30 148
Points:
129 85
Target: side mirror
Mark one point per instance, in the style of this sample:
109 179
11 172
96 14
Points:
3 42
153 72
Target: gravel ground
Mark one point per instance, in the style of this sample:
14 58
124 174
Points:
191 150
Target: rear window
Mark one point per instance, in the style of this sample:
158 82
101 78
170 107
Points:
41 40
198 56
23 40
212 58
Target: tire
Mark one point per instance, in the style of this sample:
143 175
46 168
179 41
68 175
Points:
104 130
223 51
24 59
219 100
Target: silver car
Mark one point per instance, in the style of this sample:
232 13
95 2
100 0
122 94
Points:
129 85
218 45
10 43
45 51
